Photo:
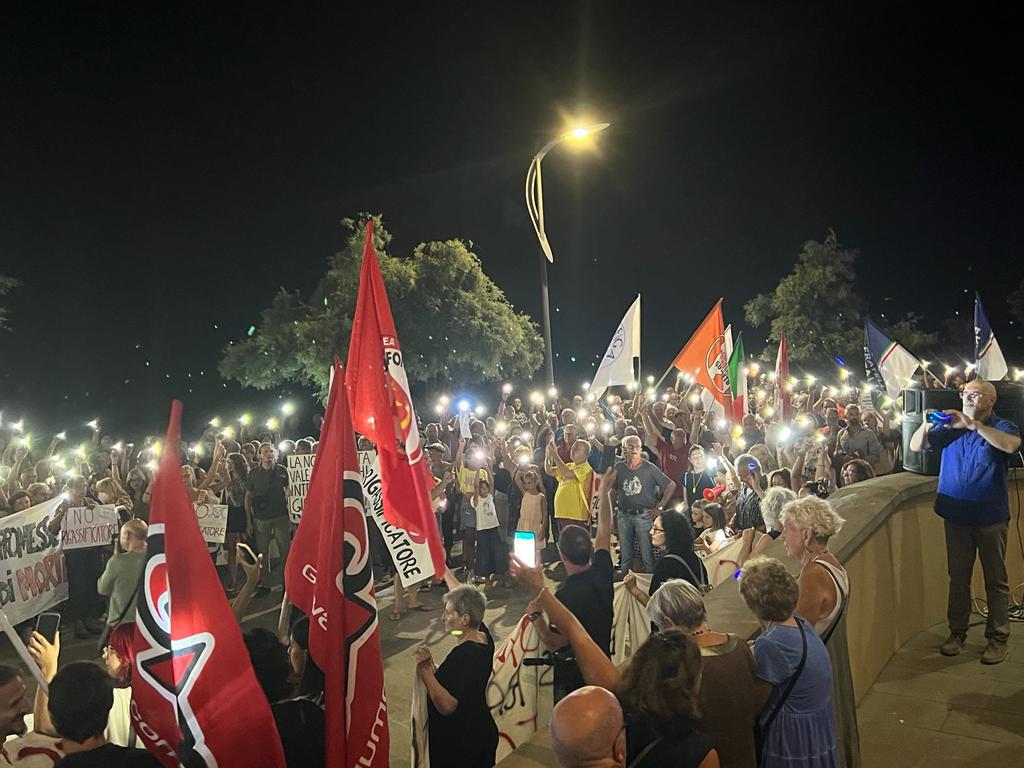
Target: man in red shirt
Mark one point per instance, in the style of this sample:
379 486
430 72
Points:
673 454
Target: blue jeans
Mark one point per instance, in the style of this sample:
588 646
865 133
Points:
632 527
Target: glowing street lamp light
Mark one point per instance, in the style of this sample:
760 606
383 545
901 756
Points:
535 207
288 408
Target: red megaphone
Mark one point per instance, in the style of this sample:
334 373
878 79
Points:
712 494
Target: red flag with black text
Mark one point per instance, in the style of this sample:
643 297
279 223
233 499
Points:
196 699
382 409
328 576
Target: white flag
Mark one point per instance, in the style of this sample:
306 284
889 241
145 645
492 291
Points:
617 364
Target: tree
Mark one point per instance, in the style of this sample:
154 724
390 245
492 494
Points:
454 323
818 308
6 285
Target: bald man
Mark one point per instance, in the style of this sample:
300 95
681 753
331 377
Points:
972 499
587 730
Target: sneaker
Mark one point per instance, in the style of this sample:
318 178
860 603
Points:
994 652
953 645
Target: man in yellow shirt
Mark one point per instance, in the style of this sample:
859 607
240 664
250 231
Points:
572 498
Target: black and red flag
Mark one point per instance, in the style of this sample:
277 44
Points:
328 577
196 700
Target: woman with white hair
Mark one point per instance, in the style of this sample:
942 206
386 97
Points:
731 694
775 498
807 526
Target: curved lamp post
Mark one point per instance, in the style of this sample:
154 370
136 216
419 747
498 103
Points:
535 207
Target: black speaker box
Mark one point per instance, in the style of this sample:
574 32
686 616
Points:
1009 405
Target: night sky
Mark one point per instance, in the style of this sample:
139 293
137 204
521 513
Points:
163 172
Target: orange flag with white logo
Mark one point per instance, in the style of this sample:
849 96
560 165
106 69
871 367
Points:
704 356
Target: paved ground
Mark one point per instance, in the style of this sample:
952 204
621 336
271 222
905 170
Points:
926 709
398 640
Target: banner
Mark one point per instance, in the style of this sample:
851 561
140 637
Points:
617 364
630 624
213 522
411 558
513 688
32 574
300 470
89 527
420 743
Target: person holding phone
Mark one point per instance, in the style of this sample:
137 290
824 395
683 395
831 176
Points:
119 582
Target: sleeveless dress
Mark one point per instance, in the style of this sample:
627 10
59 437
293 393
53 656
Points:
844 706
531 518
803 733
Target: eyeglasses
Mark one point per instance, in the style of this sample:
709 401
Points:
656 529
972 396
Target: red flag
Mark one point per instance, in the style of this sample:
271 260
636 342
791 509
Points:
382 410
782 404
328 577
197 701
705 357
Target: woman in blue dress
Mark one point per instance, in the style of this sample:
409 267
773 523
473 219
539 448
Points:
796 724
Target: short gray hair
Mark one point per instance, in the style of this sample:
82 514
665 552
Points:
631 438
746 458
468 600
677 603
775 498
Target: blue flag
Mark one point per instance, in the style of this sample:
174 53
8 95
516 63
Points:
989 362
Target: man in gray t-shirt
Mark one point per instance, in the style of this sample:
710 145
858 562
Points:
641 492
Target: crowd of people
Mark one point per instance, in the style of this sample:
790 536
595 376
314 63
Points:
673 479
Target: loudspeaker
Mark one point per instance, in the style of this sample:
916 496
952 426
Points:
1009 405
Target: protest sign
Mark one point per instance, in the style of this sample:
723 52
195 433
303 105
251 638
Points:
32 574
631 626
411 557
89 526
513 688
213 521
300 469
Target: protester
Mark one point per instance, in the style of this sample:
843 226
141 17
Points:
587 592
84 566
731 694
671 533
775 498
300 722
572 499
491 554
699 479
308 677
81 696
122 575
266 508
237 469
587 730
796 724
641 492
972 499
462 731
856 471
533 509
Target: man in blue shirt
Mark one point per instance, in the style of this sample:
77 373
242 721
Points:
972 499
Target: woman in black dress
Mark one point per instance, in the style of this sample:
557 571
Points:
462 731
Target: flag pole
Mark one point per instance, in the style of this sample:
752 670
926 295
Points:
666 373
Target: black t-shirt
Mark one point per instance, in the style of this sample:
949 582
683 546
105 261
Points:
110 756
268 488
669 567
468 736
589 596
301 726
695 483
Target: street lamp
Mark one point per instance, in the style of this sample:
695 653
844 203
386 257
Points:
535 206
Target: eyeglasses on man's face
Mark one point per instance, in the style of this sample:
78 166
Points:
973 396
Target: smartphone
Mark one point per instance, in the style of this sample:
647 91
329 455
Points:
524 547
938 417
607 458
47 625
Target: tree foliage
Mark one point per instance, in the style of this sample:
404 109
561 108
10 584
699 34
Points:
819 310
454 323
6 285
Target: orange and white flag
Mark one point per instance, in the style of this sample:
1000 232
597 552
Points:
705 356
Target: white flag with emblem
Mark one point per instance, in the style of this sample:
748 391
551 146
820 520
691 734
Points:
617 364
